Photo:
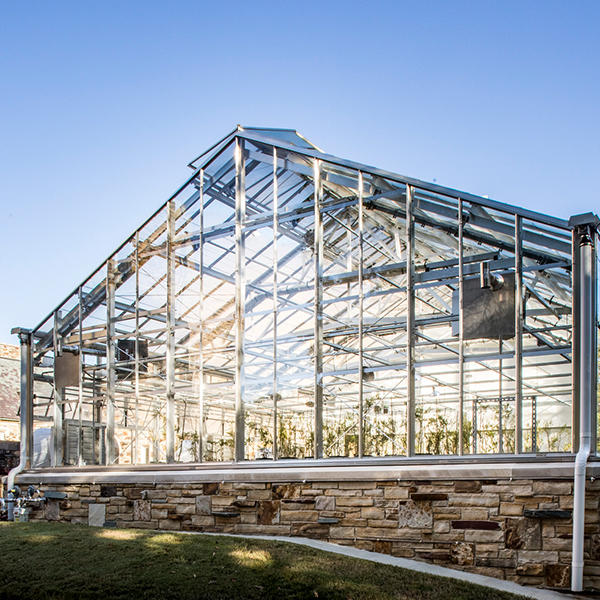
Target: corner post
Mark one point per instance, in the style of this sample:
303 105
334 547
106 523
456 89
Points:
26 398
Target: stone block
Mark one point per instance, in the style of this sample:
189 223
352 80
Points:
106 491
415 515
552 488
325 503
557 576
483 536
471 500
287 490
523 534
462 553
371 512
400 493
467 486
142 510
210 489
203 505
259 494
358 501
52 511
298 515
203 520
249 518
509 509
185 509
537 556
311 530
341 532
481 525
441 526
428 496
170 524
96 515
268 512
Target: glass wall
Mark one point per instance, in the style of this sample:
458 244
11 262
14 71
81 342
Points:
287 305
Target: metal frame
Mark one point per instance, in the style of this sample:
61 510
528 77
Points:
244 337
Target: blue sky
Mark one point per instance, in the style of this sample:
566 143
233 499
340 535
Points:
103 103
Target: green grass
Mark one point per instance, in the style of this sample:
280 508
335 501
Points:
54 560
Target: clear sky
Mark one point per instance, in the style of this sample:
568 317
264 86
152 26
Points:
103 103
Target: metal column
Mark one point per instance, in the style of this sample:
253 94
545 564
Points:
26 397
410 324
361 302
461 331
318 310
79 408
56 458
275 299
200 432
135 450
518 335
240 294
110 361
170 317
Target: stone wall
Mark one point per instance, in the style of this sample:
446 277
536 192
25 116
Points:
513 529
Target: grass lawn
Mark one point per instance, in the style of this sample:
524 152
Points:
54 560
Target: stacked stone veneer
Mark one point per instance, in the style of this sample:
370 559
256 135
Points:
519 529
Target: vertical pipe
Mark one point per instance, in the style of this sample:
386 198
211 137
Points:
136 368
170 331
26 413
201 319
110 361
461 330
275 299
361 302
588 332
240 294
518 335
318 310
410 323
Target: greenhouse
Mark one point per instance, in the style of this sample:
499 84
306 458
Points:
288 304
296 344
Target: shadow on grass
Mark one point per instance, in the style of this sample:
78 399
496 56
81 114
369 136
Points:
42 560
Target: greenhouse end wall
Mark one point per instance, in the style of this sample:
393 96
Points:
289 304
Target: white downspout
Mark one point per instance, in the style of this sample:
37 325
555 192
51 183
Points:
26 416
586 401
